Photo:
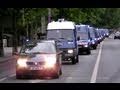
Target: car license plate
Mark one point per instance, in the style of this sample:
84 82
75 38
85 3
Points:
36 68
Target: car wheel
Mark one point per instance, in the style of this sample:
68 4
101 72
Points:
20 77
60 71
57 74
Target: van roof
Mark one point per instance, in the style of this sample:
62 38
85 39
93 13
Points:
61 25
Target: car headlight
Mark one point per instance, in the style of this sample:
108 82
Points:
22 62
50 61
70 51
86 45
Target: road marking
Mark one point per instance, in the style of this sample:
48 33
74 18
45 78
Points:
94 74
3 79
36 81
69 77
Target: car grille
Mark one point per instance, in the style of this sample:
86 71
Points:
34 63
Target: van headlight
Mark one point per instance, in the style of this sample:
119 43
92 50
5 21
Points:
86 45
70 51
22 62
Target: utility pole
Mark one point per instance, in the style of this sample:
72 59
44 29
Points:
49 15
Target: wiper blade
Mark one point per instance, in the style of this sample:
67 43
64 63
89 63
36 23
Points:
39 53
51 38
61 38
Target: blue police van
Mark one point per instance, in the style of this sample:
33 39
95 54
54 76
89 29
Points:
83 39
64 32
93 38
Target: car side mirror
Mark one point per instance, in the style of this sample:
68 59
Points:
16 53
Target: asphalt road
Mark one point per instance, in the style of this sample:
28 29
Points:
102 66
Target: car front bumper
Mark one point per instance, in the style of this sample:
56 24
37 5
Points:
47 72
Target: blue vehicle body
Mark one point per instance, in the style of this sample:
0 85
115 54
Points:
107 33
93 38
66 40
98 35
83 39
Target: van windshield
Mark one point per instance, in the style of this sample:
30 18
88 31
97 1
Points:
60 34
82 33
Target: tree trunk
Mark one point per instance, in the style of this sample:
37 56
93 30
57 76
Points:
1 42
27 27
43 24
14 34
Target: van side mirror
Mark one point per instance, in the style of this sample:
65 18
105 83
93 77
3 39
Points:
90 38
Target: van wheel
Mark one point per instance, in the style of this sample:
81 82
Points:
73 60
57 74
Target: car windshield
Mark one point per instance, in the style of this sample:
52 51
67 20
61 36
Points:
82 33
60 34
39 48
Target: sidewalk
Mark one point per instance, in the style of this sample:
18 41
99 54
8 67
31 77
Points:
7 54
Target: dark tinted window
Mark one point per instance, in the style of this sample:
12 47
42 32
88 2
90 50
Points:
92 33
82 32
57 34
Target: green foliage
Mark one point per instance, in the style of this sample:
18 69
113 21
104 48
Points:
98 17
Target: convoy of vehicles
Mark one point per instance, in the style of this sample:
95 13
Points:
64 42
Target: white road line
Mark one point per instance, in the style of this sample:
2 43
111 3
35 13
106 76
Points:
2 79
69 77
36 81
94 74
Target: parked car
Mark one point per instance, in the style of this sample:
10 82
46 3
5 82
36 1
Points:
117 35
